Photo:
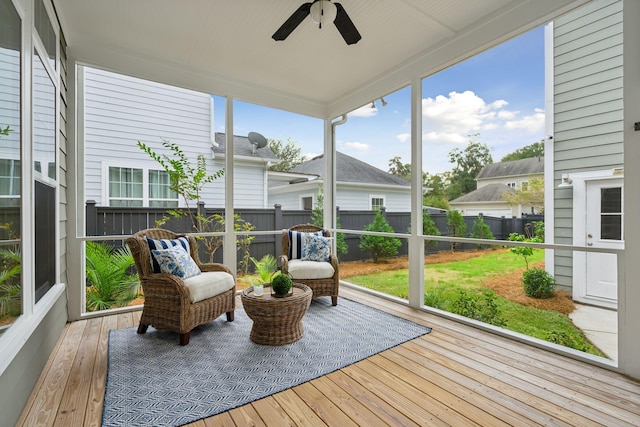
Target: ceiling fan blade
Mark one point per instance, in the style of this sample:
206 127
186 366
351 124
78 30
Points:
290 24
345 26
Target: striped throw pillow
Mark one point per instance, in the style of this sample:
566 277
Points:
154 244
296 242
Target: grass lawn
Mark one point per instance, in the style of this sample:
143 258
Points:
457 287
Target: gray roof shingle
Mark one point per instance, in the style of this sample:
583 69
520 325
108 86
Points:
529 166
349 169
488 193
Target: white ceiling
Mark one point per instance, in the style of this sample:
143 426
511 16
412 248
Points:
225 47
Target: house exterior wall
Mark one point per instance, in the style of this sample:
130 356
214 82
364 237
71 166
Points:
348 197
120 110
519 179
588 102
487 209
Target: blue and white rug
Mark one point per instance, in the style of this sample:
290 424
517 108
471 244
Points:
153 381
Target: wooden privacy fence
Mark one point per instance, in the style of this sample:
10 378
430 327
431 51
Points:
106 221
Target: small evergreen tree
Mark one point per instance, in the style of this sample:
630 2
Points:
380 247
429 229
457 226
481 230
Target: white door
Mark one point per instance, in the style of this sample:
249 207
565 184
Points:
604 211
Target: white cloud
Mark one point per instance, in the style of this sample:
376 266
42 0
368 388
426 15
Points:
532 123
356 146
364 111
403 137
450 119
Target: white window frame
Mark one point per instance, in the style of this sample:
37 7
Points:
12 178
511 184
306 196
377 196
145 182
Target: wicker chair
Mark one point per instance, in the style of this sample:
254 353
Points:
167 300
321 286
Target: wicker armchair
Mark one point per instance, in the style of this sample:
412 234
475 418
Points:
167 300
322 284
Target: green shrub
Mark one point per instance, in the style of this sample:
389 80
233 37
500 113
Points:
562 338
380 247
109 282
479 307
281 284
481 230
456 225
429 228
538 283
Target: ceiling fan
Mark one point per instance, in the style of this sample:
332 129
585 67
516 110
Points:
321 11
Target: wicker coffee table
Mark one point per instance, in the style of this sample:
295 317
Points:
277 321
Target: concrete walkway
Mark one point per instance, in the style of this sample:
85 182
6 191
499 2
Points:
600 326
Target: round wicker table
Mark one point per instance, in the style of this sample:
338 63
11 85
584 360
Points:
277 321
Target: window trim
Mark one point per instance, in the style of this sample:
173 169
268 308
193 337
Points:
306 196
377 196
106 200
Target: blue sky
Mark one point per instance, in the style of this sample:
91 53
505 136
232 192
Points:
498 94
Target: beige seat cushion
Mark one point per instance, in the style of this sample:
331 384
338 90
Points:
208 284
303 269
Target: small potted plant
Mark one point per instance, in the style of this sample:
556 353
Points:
264 268
281 285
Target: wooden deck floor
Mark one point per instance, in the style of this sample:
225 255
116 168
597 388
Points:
456 375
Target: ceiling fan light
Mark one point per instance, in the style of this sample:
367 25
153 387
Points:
323 12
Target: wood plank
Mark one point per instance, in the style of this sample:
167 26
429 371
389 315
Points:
272 413
295 407
322 405
246 416
45 407
384 410
358 412
93 417
221 420
74 401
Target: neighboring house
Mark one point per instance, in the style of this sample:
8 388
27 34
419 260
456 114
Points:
359 186
120 110
585 175
497 180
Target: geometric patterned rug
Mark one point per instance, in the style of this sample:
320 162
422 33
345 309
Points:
153 381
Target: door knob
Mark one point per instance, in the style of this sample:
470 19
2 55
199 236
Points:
589 235
590 244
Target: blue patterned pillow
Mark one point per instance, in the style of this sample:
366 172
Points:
296 242
316 248
176 261
181 242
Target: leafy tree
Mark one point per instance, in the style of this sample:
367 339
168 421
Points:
188 181
429 229
380 247
481 230
399 169
524 251
531 195
289 154
457 226
467 164
109 283
533 150
317 218
436 195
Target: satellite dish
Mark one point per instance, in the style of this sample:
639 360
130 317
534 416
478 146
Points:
257 141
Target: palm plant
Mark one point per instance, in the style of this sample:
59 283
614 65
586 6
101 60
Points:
10 288
265 267
109 282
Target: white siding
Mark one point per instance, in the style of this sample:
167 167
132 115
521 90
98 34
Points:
587 106
120 110
348 197
249 185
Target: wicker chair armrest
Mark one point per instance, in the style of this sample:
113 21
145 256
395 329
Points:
334 262
283 264
165 285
